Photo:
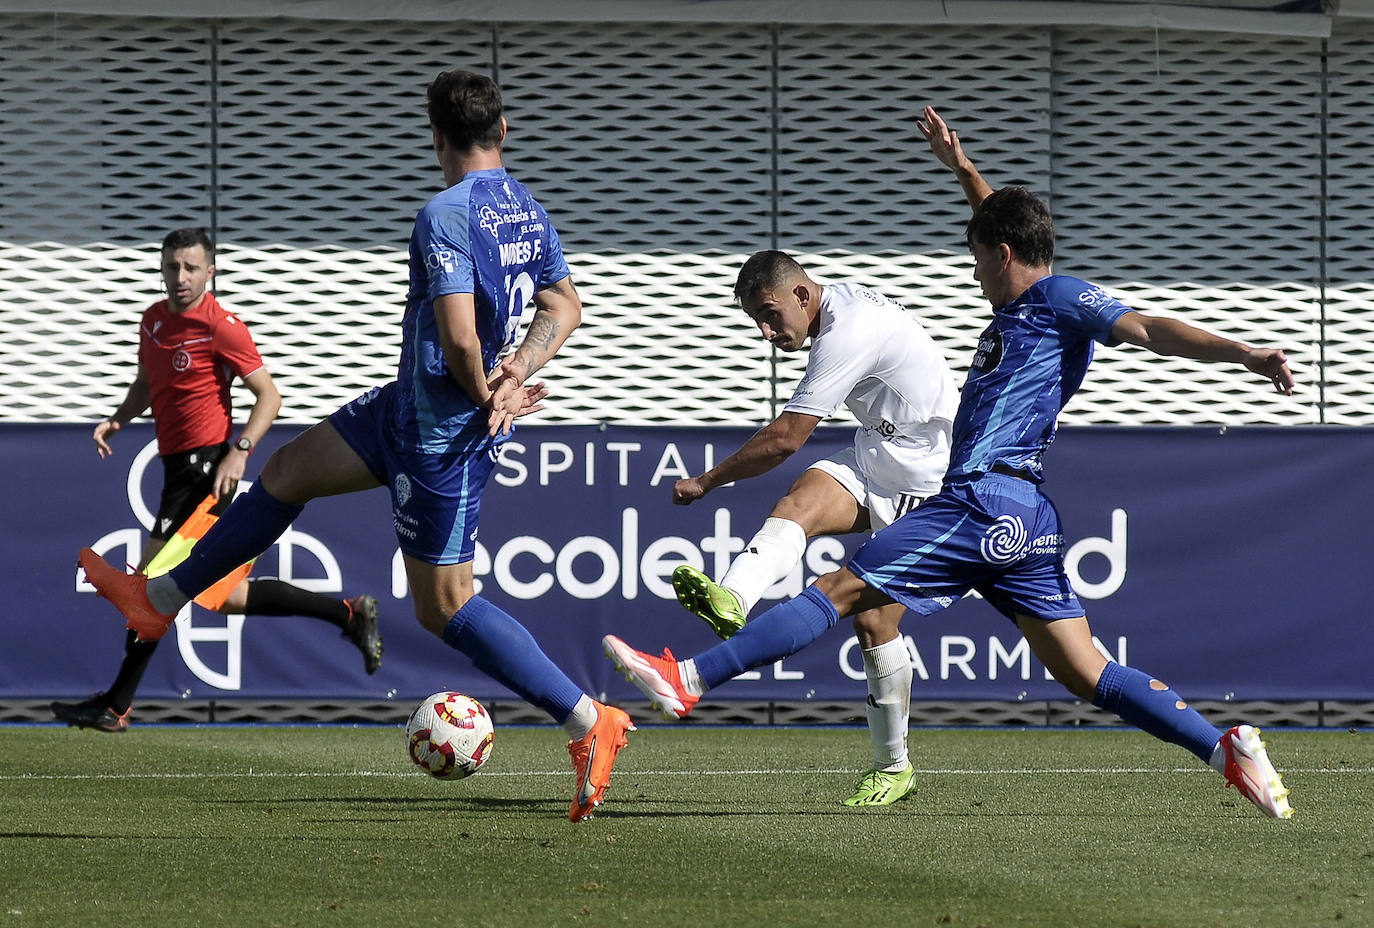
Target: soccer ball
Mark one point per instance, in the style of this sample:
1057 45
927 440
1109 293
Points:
449 736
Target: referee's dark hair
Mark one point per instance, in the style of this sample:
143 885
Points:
1014 217
765 270
189 238
465 107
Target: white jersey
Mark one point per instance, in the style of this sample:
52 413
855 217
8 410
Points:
874 357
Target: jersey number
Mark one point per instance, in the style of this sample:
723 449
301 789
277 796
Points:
518 293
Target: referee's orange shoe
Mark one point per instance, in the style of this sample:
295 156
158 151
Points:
129 593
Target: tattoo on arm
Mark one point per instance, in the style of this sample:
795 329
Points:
564 288
539 341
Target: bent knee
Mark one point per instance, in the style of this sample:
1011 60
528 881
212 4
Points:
436 611
874 627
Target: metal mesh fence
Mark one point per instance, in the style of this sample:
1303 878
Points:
1225 179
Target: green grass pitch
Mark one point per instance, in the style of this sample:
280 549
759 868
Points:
260 826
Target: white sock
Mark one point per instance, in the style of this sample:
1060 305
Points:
888 668
691 680
582 719
164 596
1218 761
769 556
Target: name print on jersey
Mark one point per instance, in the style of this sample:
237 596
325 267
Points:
521 252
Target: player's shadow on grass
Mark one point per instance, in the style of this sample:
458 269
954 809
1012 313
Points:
50 835
476 803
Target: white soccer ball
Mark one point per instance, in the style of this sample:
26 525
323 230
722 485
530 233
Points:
449 736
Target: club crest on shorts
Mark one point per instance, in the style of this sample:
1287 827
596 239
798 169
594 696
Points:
403 490
1005 541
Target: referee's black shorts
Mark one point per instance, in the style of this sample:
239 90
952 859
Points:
187 478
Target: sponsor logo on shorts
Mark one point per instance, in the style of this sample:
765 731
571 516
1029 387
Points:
1005 542
368 397
942 600
405 525
403 489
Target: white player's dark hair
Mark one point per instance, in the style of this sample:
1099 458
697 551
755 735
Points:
765 270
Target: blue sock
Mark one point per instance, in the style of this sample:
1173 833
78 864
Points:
250 524
502 649
781 631
1151 706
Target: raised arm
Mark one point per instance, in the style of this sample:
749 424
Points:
944 144
1179 339
765 450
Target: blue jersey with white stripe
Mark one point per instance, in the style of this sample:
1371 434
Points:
488 236
1030 361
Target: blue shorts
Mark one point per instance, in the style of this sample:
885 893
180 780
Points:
434 497
998 535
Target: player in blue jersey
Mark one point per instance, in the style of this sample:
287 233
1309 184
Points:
990 528
480 252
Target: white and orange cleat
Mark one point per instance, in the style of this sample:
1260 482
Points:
594 756
128 593
1248 769
657 677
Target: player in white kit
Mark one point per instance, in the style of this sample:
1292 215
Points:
871 355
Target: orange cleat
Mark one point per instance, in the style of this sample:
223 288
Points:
593 757
657 677
128 593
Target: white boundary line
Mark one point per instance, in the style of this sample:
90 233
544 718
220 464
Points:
389 774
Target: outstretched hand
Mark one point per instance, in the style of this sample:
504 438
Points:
944 141
1271 364
104 430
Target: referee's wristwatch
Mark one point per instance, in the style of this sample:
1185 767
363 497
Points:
244 445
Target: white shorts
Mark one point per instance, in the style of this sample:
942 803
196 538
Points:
885 505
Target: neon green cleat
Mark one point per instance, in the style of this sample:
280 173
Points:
877 788
712 603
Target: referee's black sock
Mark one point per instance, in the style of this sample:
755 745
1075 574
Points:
137 654
276 597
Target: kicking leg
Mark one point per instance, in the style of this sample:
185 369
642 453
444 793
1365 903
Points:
316 463
816 504
1066 648
675 687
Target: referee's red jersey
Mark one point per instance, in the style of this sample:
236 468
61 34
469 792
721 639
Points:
191 358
